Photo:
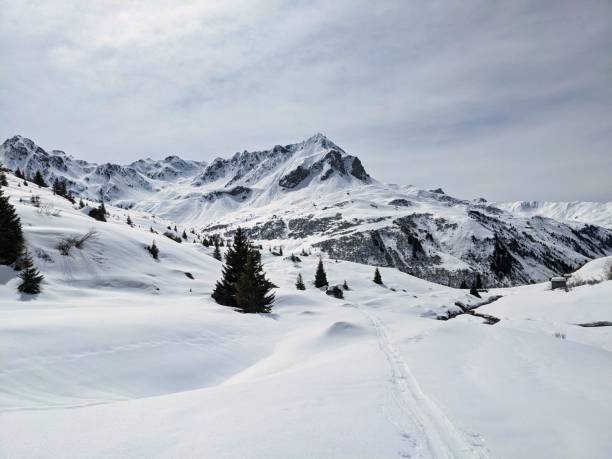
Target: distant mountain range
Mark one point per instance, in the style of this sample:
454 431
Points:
313 195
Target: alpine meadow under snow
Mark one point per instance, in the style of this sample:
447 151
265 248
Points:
390 322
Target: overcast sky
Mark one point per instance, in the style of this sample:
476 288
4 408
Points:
506 100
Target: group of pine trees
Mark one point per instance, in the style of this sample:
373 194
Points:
12 246
244 285
320 279
99 213
59 188
38 179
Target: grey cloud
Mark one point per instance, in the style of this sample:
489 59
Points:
509 100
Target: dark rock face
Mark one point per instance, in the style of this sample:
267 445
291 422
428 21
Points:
401 202
294 178
238 192
333 163
358 171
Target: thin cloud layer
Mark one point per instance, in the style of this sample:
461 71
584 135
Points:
506 101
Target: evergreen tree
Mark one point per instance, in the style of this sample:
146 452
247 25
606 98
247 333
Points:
184 235
280 250
129 220
59 187
217 252
320 276
377 277
11 235
474 291
98 213
3 181
19 174
463 284
81 204
30 277
299 283
253 288
345 286
153 250
235 260
39 180
478 281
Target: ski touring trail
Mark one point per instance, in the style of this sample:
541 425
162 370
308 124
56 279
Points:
427 431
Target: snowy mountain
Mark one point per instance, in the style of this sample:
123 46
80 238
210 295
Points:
133 355
595 213
313 195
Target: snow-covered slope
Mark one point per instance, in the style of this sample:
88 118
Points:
125 356
594 213
313 194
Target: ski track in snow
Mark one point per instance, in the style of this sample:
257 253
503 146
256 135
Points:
435 434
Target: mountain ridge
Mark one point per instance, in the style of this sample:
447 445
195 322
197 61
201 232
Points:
314 195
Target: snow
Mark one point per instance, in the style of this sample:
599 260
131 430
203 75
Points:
125 356
595 213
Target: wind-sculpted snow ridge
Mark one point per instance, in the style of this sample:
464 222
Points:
313 195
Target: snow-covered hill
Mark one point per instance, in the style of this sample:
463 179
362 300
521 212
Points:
313 194
594 213
125 356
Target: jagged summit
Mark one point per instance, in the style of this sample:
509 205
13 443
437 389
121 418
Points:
314 163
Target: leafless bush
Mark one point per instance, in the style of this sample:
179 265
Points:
66 244
40 253
48 209
35 200
559 335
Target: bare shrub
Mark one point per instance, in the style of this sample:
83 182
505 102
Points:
559 335
66 244
90 235
48 209
40 253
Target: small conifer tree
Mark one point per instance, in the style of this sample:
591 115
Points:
30 277
184 236
299 283
377 277
474 290
39 180
463 285
3 180
345 286
11 234
129 220
478 281
320 275
19 174
98 213
217 252
153 250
